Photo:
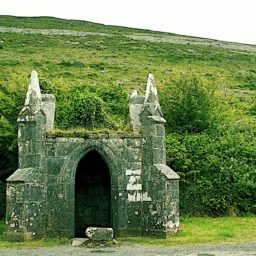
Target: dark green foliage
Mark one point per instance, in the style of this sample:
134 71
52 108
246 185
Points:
98 66
46 87
187 104
252 110
247 79
71 63
110 101
9 101
89 112
217 170
2 199
116 98
63 115
10 63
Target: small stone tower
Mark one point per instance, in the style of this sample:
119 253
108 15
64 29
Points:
158 179
65 184
26 188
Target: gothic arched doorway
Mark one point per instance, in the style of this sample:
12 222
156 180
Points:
92 193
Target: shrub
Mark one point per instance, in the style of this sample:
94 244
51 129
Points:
89 112
115 97
2 199
187 104
218 175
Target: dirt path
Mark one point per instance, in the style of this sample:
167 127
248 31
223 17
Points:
246 249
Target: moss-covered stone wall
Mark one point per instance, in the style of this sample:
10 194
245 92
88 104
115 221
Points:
65 184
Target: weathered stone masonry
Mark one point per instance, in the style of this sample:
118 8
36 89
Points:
64 184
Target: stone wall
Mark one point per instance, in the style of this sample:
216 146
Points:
62 160
126 185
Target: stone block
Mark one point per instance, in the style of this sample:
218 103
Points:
99 234
54 165
79 241
28 236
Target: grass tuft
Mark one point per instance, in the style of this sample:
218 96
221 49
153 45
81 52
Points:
201 230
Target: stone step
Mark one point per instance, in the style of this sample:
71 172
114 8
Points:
100 234
79 241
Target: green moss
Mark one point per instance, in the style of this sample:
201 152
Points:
84 133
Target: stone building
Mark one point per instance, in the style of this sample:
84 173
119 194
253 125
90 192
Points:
65 184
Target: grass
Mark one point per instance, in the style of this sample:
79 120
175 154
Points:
194 230
202 230
38 243
67 64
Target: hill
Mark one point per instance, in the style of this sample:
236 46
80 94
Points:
212 147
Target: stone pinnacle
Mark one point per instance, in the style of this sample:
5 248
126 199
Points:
33 96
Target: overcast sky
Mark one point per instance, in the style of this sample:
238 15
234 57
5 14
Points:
230 20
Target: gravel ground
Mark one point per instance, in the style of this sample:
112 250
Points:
245 249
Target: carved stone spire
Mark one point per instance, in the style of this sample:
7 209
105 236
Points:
151 100
33 97
151 91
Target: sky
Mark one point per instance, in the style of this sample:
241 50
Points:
229 20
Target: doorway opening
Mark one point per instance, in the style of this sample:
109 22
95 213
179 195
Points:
92 193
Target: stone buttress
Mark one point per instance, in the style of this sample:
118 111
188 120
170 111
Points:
65 184
159 194
26 188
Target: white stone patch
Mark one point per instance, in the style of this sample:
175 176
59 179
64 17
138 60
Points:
134 187
60 196
131 172
145 197
172 224
134 183
137 143
134 94
138 196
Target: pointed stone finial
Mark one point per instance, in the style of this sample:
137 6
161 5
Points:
151 91
151 101
134 94
33 96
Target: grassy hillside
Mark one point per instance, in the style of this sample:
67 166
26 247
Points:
75 58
